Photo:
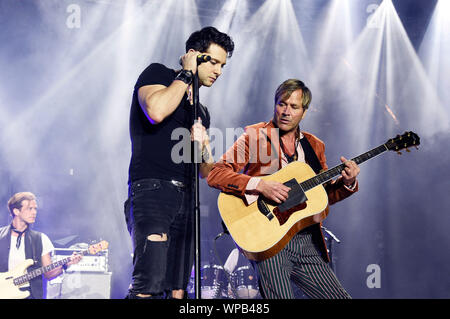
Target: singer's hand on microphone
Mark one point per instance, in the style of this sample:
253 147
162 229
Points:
189 60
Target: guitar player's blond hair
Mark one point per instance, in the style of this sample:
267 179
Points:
16 200
289 86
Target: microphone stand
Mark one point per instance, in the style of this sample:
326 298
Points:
195 97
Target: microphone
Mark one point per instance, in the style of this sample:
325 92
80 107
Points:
203 58
200 59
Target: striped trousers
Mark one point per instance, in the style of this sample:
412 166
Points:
300 262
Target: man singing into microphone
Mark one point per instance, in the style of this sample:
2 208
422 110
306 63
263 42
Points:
159 208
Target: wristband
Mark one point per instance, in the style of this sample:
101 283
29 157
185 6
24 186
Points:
186 76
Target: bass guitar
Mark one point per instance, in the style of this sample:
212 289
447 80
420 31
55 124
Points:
13 280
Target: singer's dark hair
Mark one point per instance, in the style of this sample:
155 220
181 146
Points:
286 88
202 39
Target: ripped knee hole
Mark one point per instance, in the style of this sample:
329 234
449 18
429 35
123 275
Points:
157 237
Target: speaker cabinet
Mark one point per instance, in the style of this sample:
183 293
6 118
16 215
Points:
79 285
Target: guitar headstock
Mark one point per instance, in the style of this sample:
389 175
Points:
404 141
98 247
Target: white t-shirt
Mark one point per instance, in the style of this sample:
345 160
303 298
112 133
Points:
16 256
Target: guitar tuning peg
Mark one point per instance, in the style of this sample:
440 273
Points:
408 150
399 153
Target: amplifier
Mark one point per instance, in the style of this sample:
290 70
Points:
79 285
89 263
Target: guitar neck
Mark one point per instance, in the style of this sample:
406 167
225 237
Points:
42 270
324 177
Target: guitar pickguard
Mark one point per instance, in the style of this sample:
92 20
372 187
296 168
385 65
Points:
283 216
296 201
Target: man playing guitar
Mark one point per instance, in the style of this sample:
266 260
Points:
266 148
19 242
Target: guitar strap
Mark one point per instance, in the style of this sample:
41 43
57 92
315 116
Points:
313 161
310 155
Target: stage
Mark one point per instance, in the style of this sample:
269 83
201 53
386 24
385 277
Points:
375 69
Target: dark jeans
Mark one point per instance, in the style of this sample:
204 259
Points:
159 207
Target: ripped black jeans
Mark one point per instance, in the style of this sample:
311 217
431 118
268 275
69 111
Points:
159 216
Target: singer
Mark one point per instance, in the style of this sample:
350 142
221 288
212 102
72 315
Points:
159 209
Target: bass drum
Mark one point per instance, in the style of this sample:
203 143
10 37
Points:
246 283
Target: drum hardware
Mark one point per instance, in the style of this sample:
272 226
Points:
329 238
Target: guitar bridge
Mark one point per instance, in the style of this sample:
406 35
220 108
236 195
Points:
263 208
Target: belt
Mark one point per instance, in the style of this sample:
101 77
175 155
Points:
138 183
177 183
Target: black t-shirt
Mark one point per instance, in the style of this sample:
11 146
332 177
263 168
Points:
152 145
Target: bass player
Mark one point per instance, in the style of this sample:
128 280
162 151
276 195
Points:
19 242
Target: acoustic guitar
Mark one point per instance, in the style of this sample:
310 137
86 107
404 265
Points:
13 280
263 228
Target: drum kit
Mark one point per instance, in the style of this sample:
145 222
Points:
227 281
217 283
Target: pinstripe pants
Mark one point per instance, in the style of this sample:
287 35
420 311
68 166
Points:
301 262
